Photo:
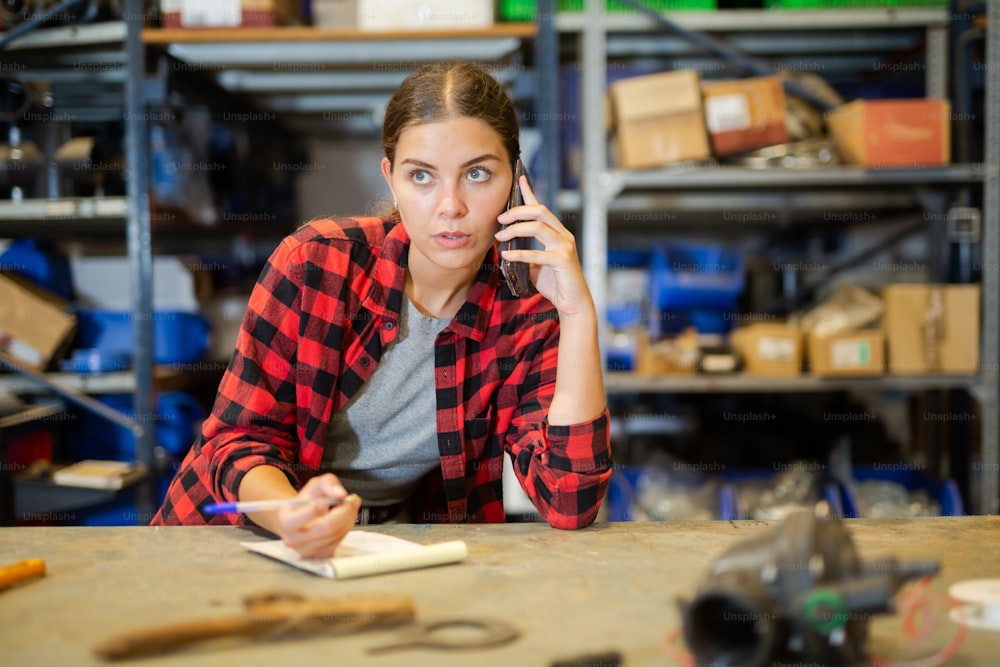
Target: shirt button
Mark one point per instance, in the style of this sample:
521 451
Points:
365 361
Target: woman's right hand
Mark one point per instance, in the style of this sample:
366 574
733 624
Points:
315 530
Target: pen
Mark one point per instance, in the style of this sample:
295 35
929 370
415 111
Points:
21 571
265 505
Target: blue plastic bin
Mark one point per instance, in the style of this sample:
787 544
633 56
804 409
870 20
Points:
41 263
178 337
692 276
177 419
944 491
827 489
622 489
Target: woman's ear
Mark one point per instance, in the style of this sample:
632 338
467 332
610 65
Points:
387 175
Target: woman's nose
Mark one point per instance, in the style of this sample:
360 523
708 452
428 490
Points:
452 203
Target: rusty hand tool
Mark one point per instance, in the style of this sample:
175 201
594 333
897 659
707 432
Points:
267 616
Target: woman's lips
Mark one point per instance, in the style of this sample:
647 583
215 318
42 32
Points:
452 240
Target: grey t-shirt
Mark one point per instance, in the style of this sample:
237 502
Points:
385 438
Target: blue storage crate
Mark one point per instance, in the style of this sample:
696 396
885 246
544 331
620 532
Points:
179 337
944 491
623 311
41 263
178 420
693 276
628 257
826 489
621 350
624 482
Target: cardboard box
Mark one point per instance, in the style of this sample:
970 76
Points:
378 15
849 353
769 349
230 13
892 133
932 328
34 325
674 356
335 14
745 114
659 119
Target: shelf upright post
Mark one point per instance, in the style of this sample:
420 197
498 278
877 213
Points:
936 61
547 64
989 390
593 88
139 240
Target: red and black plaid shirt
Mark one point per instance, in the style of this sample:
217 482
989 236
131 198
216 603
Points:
324 308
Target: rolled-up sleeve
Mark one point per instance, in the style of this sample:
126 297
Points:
253 421
564 469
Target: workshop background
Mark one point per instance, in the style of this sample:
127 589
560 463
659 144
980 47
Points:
787 211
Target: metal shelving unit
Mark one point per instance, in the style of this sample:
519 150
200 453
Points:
96 71
94 57
310 79
605 190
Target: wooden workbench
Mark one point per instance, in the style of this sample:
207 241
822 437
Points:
611 586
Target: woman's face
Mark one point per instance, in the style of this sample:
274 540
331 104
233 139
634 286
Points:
451 180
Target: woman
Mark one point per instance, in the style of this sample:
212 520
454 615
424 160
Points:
386 358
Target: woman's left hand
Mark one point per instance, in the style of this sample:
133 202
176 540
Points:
555 271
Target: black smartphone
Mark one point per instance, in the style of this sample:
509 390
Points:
516 273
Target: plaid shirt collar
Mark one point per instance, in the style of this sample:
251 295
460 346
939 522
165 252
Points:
385 298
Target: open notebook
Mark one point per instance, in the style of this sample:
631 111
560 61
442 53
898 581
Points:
364 553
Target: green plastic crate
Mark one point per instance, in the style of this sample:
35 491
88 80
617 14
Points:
659 5
517 10
524 10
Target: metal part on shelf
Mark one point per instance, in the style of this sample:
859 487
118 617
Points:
816 153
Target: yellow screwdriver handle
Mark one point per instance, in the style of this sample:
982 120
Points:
21 571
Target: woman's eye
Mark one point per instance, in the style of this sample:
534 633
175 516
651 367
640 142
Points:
479 174
419 176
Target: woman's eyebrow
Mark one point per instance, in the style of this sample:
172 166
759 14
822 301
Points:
482 158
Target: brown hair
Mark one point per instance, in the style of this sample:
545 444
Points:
449 90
